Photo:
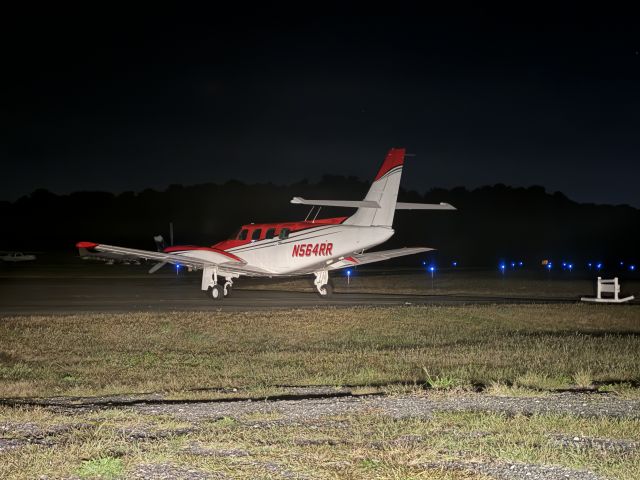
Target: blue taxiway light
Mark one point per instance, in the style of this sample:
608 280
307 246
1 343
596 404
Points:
348 272
432 269
549 266
513 264
520 263
632 267
455 264
589 264
424 263
599 266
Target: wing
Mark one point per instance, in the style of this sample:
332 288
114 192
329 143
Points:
363 258
194 258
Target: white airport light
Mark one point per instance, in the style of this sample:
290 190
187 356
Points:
589 264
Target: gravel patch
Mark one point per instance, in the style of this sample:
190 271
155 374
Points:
28 430
602 444
515 471
167 471
197 449
144 434
298 411
7 444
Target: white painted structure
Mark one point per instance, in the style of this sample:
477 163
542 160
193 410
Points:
608 286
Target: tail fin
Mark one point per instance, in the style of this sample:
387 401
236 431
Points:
384 191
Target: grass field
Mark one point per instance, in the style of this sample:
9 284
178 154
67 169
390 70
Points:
405 352
533 346
110 444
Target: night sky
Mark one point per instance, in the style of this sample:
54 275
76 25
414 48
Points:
109 100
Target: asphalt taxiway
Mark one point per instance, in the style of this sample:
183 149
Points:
66 294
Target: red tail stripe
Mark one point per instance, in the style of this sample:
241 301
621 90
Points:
394 158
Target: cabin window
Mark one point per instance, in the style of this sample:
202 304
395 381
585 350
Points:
284 233
256 234
243 234
270 233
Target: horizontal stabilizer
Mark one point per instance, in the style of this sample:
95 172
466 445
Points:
424 206
337 203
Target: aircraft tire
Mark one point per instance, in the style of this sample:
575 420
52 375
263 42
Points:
227 291
217 292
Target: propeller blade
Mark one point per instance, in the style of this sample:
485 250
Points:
157 267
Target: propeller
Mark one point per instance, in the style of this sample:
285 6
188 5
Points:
160 246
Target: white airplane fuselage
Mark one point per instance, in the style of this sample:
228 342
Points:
315 247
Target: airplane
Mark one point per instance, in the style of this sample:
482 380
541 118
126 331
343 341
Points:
310 247
15 257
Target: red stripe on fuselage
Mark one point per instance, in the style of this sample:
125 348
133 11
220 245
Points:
188 248
292 226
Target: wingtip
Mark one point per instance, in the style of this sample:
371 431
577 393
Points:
86 245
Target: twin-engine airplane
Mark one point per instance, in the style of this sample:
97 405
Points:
315 246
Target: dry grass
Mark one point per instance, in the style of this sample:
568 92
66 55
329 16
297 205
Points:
352 446
530 346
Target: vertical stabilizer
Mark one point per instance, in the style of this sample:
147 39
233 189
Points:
384 191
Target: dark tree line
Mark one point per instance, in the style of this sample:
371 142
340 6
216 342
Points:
492 222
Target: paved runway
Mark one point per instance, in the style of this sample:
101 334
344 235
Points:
62 294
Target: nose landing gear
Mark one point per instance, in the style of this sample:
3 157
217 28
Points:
210 284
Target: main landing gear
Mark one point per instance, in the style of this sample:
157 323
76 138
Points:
322 283
210 284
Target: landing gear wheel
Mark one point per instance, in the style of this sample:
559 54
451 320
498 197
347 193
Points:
217 292
326 290
227 289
